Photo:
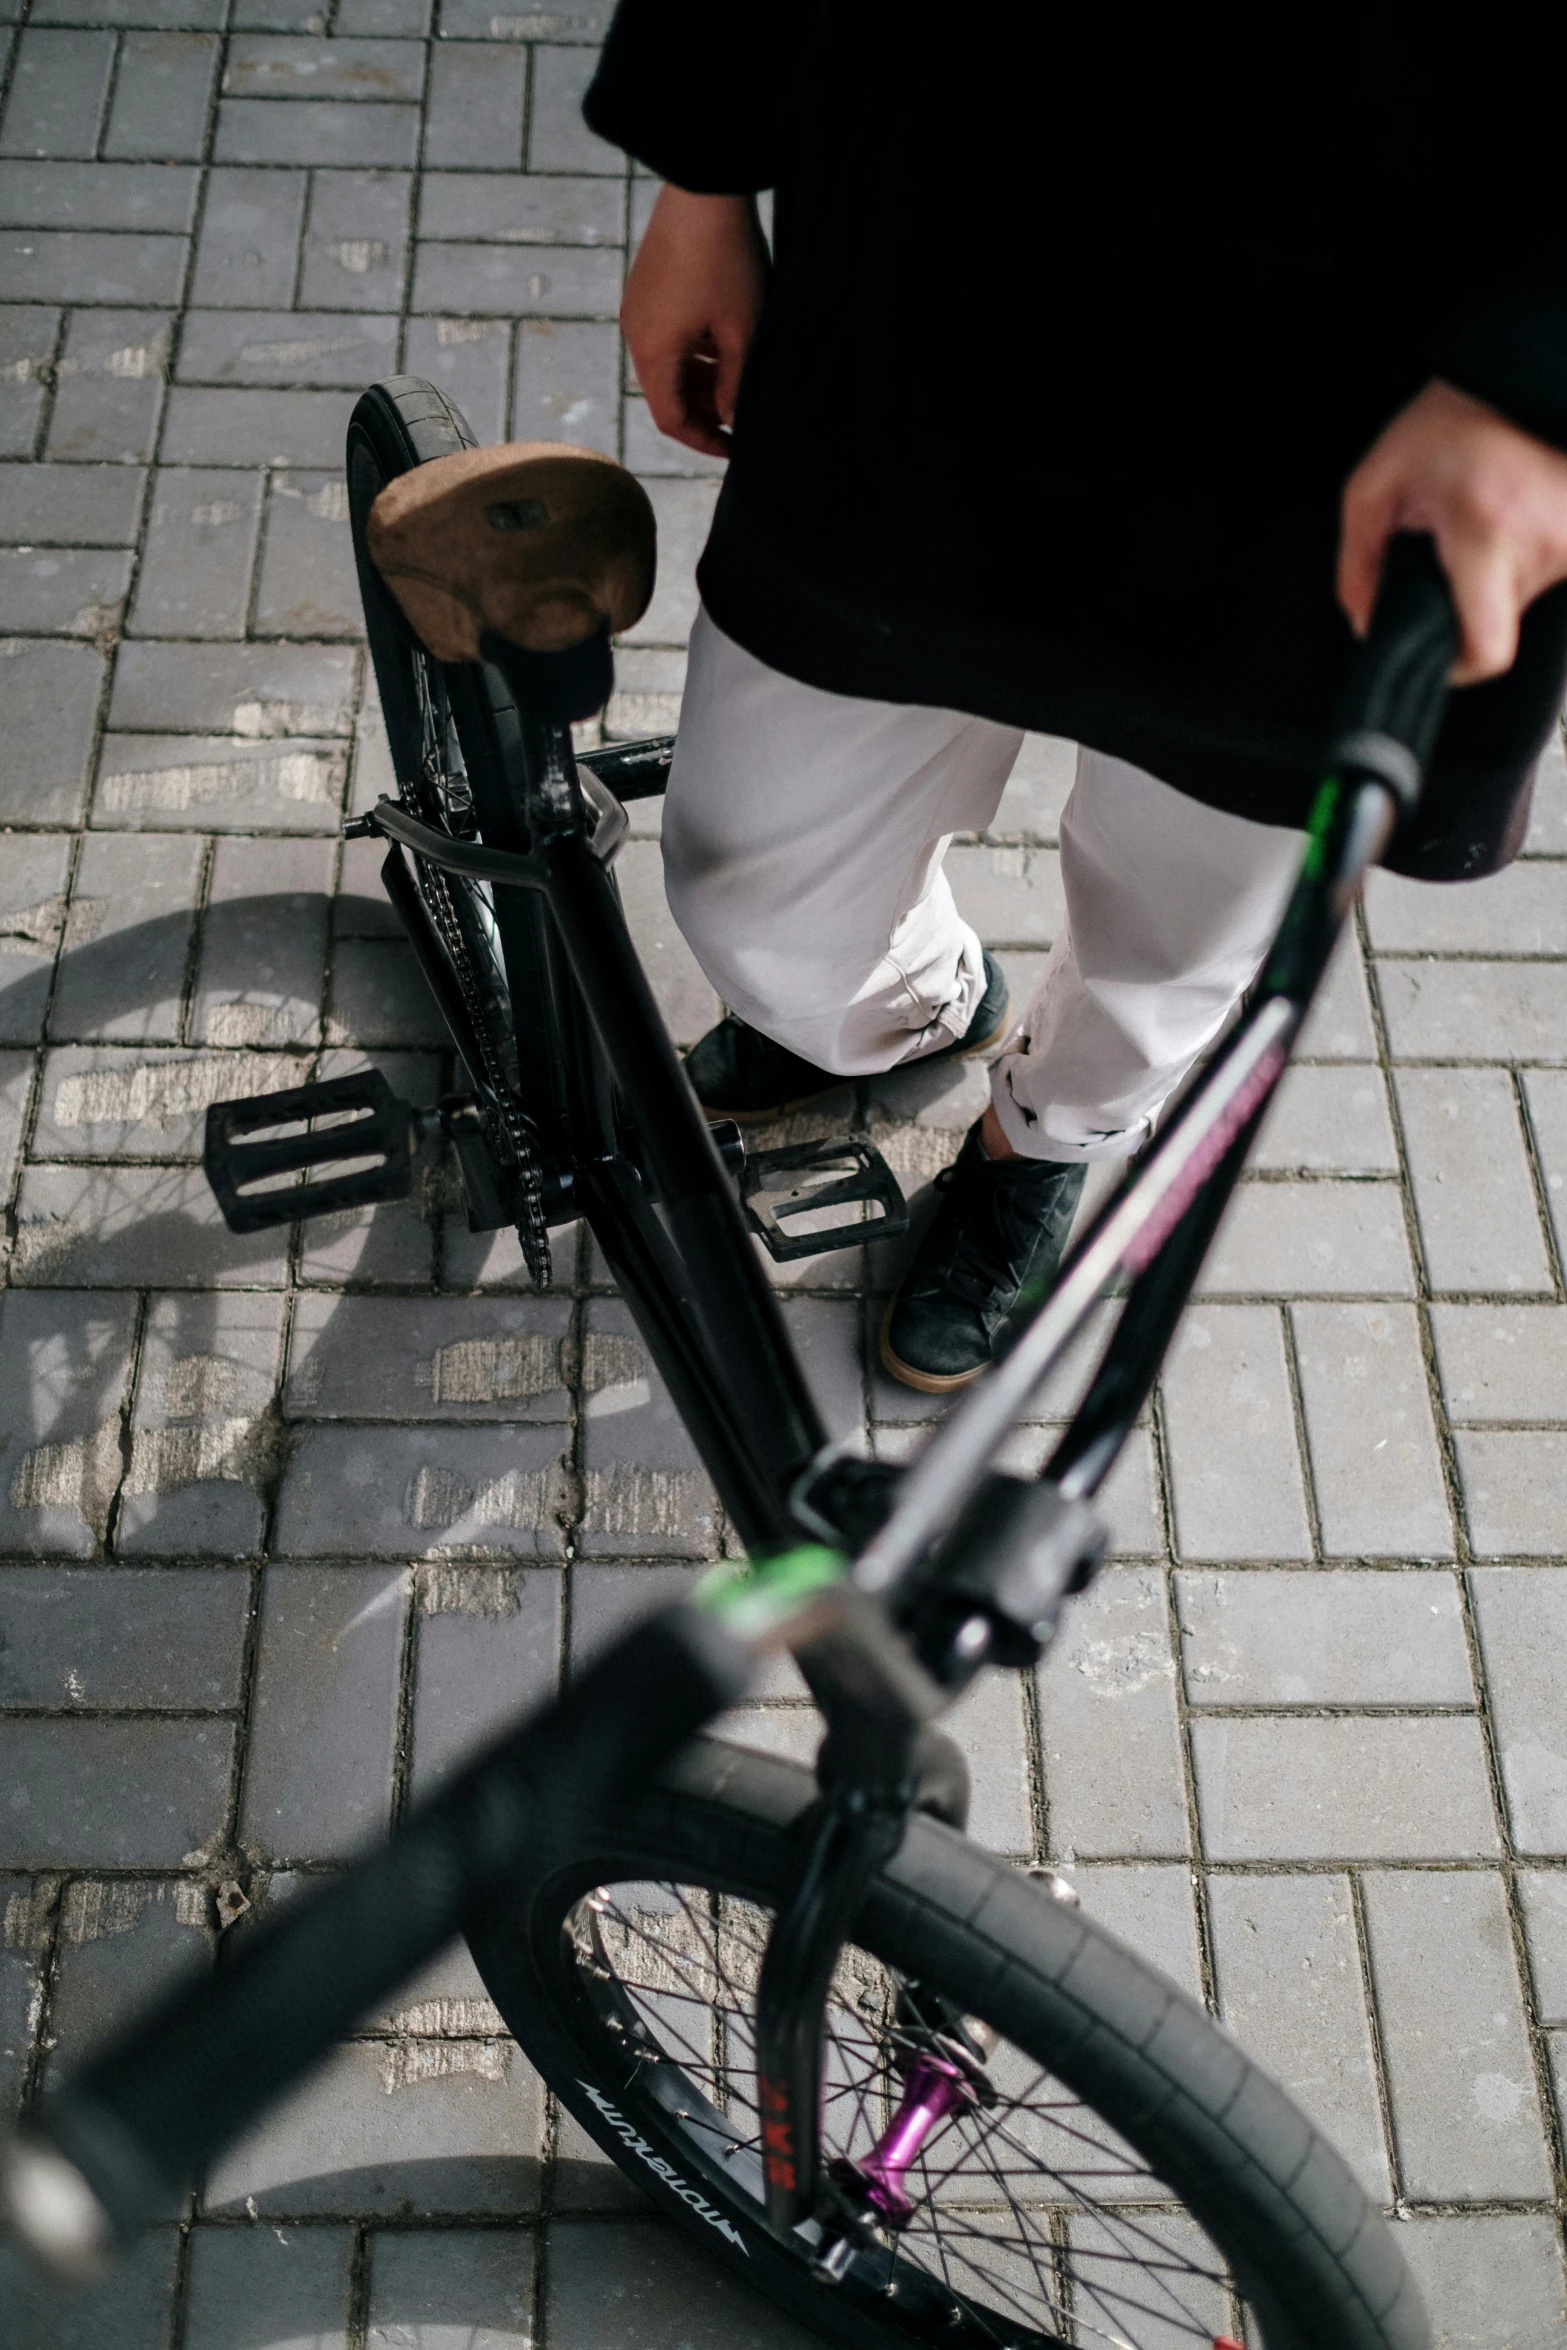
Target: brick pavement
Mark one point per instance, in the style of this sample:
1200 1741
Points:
284 1526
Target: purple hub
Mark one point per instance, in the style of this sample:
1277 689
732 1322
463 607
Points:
933 2089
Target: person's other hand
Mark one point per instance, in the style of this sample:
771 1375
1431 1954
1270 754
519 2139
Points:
692 300
1494 499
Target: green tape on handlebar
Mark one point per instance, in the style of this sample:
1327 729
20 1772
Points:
752 1597
1317 825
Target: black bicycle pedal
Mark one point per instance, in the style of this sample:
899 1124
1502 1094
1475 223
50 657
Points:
256 1149
786 1193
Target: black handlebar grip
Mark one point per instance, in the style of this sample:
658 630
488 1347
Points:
1391 708
120 2143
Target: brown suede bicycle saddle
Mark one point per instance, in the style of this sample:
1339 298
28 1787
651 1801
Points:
537 543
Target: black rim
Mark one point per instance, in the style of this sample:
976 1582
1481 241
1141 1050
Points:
1033 2224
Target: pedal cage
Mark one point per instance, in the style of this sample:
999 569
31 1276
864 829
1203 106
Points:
243 1150
804 1179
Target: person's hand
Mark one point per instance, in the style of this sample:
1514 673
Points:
691 305
1494 499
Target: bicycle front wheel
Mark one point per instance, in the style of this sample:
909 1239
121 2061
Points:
1128 2177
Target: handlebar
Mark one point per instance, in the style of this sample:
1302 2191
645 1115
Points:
122 2141
1390 711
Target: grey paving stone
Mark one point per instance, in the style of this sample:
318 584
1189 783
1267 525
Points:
567 387
16 1083
1150 1905
1343 1789
428 1492
1113 1777
517 208
121 1944
19 1988
1473 1011
391 17
1323 1637
258 692
277 130
473 115
161 94
1037 790
278 16
51 708
344 347
1502 1362
1512 1488
248 250
377 997
1519 912
1285 1239
647 451
204 1448
98 195
1542 1896
365 1358
517 281
263 947
1338 1026
109 1636
489 1650
1230 1426
259 67
1465 2112
989 1725
689 1005
247 426
607 2279
111 375
70 505
1547 835
1495 2278
64 1371
57 93
1545 1092
1288 1971
420 2280
324 1720
568 20
1473 1193
203 14
134 1227
644 1491
683 511
32 907
110 1794
1011 895
391 1244
63 591
83 265
470 360
1521 1615
307 585
397 2130
27 342
127 939
649 683
1372 1447
295 2285
356 240
201 541
128 2310
558 138
174 782
1329 1121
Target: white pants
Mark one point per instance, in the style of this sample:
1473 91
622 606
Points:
803 841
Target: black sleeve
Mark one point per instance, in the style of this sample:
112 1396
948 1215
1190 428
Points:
1506 343
691 89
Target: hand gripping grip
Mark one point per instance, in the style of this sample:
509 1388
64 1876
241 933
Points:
120 2143
1396 692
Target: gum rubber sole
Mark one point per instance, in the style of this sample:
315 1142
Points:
962 1052
928 1382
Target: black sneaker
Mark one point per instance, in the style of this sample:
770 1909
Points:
1002 1224
737 1072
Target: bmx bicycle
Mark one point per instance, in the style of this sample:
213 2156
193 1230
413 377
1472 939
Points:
911 2093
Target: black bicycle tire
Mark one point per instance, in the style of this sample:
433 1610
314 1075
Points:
1317 2262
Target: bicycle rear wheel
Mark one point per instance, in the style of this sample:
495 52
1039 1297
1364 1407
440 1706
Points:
1129 2179
442 734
